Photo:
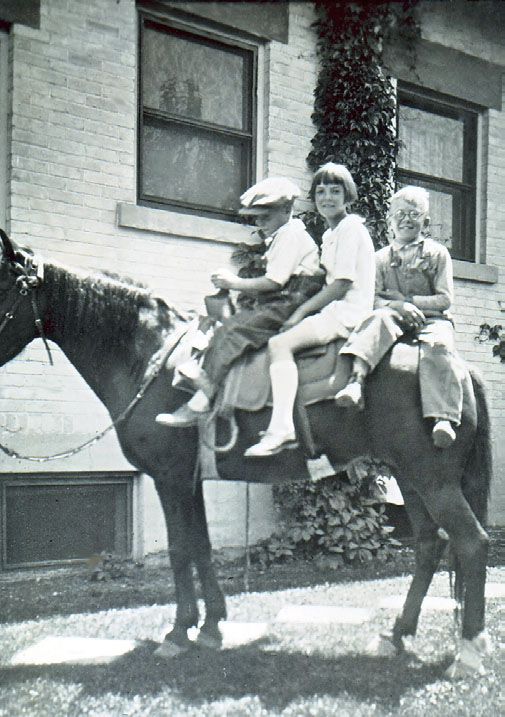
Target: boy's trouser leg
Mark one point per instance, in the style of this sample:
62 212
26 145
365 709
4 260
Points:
243 331
372 339
440 377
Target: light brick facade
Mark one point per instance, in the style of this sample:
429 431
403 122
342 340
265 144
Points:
71 171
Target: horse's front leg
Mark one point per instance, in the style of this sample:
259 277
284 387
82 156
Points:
215 606
176 498
428 550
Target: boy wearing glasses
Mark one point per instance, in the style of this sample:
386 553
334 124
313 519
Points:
413 295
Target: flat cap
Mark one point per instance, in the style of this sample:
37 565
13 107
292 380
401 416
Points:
268 193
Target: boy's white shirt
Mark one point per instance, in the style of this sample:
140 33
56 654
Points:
291 252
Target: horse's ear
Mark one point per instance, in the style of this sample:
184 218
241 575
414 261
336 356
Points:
8 249
11 251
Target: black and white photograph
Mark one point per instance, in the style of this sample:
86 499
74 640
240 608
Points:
252 358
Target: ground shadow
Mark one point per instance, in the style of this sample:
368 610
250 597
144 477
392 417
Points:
41 595
276 677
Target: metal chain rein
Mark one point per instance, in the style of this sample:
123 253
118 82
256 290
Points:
153 370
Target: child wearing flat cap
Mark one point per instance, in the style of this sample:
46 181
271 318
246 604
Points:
292 275
347 254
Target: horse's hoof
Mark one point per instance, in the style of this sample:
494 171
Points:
469 659
458 670
212 640
168 650
382 646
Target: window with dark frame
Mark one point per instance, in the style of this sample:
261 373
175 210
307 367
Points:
439 152
197 114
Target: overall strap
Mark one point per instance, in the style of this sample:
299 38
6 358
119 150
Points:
396 274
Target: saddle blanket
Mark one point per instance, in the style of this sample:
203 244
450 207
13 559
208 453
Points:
322 372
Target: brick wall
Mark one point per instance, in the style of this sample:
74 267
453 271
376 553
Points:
478 31
291 80
72 164
482 304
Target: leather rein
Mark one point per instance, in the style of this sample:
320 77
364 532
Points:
29 279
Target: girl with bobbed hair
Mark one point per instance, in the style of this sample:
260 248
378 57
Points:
347 255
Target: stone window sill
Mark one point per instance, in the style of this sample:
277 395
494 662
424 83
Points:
484 273
162 221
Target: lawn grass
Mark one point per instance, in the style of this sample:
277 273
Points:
295 669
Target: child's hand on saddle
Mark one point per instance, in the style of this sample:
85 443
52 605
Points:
225 279
411 316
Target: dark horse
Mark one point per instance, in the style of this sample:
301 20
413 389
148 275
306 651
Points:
110 329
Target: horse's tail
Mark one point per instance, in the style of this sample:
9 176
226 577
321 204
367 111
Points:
478 471
479 467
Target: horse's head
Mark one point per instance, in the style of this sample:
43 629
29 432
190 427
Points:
17 281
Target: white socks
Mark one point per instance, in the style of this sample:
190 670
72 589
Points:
284 378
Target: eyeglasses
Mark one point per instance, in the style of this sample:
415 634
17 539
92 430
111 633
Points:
401 214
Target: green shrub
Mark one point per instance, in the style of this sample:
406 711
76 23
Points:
338 520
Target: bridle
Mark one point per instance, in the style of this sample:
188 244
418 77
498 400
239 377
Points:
30 276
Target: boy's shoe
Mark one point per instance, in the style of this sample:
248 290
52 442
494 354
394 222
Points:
443 434
351 396
271 444
182 418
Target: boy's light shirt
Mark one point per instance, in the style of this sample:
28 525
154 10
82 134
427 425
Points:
400 246
410 255
291 251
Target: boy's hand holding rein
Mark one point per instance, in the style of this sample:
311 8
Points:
226 279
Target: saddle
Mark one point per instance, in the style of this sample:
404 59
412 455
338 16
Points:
322 373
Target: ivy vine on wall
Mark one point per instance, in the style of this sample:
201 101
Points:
494 333
354 115
355 99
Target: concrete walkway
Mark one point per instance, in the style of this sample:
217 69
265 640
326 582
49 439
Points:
76 649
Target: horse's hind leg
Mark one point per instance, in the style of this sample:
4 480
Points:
429 547
215 606
428 550
469 541
470 544
177 502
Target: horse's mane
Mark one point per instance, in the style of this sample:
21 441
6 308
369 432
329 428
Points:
109 308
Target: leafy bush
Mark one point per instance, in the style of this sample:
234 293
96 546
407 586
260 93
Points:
338 520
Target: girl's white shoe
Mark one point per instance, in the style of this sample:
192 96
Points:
351 396
271 444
